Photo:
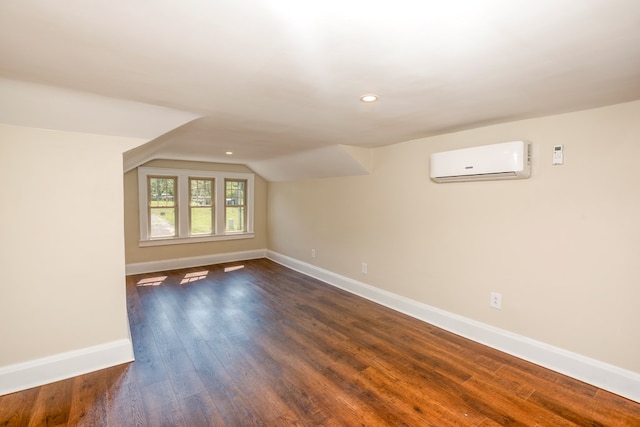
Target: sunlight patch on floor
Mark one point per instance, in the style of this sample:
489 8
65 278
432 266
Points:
234 268
152 281
195 276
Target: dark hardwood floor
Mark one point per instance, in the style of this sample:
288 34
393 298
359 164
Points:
264 345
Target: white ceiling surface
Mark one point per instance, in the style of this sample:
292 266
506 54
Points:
35 105
279 81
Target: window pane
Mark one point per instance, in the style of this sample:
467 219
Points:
235 193
163 222
162 191
201 220
235 201
200 190
201 206
235 218
162 206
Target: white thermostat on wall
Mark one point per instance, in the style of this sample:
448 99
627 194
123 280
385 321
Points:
558 154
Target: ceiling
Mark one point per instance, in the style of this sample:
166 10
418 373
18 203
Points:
278 80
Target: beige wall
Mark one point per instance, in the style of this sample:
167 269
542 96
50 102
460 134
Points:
62 245
135 254
562 247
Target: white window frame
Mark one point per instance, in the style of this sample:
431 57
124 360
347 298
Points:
183 229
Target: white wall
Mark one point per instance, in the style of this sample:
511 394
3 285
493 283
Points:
62 243
562 247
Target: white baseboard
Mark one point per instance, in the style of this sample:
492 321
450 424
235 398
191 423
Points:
605 376
22 376
172 264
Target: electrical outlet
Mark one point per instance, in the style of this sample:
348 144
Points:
313 253
496 300
364 268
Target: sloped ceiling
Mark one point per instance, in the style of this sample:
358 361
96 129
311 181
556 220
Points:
35 105
277 82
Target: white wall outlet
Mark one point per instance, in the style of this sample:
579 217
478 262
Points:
364 268
313 253
496 300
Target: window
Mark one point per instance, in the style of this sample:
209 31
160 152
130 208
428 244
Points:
185 206
161 206
235 205
201 213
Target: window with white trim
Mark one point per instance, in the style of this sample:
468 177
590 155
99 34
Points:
235 205
201 207
161 206
184 206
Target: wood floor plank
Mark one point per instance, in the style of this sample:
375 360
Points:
125 406
161 408
199 409
226 361
262 345
508 408
316 396
53 404
89 400
16 409
607 406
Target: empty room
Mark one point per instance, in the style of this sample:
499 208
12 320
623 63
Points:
356 213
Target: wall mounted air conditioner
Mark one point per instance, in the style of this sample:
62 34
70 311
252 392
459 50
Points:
507 160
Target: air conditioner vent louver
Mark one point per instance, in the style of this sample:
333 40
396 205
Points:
507 160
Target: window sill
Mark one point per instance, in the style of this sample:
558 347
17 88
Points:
199 239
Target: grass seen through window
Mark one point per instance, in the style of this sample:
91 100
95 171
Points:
162 206
201 213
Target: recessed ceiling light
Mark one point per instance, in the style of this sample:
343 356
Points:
228 153
369 98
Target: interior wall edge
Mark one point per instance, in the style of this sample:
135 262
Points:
34 373
600 374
